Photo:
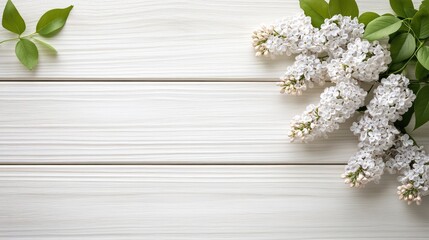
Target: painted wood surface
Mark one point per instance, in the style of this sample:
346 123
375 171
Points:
164 40
158 123
197 202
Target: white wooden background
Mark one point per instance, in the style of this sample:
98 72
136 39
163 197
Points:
155 121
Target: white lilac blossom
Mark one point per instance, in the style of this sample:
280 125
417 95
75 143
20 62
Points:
399 158
304 126
336 52
375 129
362 60
338 32
296 35
416 180
306 71
288 36
411 161
375 134
333 52
409 193
337 104
260 37
392 99
375 138
362 168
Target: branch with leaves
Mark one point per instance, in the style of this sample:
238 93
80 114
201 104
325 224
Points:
333 43
48 26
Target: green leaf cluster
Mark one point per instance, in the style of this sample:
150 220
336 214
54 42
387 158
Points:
319 10
48 26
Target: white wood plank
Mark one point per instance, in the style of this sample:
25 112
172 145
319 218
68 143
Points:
197 202
151 39
161 123
158 123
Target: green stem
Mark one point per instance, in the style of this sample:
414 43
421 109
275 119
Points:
8 40
419 82
411 29
370 88
19 37
30 35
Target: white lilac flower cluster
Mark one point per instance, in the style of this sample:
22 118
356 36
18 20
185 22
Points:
288 36
297 35
333 52
337 104
362 60
376 131
411 162
336 52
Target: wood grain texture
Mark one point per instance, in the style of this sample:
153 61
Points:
158 123
145 40
190 202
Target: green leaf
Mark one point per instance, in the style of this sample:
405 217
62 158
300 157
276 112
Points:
423 56
12 20
367 17
46 45
406 118
404 28
343 7
318 10
27 53
393 67
420 23
421 72
424 4
402 47
382 27
404 8
421 107
52 21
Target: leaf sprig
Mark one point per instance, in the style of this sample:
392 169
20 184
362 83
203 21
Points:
48 26
408 33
